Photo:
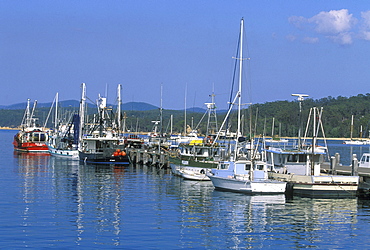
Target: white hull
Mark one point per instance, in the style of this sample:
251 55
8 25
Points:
64 153
359 142
190 173
247 186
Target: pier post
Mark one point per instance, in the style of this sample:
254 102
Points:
354 165
155 159
138 156
337 162
333 164
145 158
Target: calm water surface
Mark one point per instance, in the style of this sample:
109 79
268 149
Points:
51 203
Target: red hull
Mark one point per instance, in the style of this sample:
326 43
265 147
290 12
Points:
30 147
26 141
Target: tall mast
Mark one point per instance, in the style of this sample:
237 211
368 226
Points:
56 111
161 112
240 83
211 109
186 89
27 116
351 127
240 75
272 127
82 113
171 120
119 100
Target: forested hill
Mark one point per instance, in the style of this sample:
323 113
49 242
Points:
337 113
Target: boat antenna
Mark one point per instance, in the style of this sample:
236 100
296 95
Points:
300 100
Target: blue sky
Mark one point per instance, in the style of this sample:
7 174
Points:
319 48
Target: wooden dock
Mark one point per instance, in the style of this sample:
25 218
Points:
149 157
334 167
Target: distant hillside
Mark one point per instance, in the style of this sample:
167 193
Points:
130 106
138 106
282 117
134 106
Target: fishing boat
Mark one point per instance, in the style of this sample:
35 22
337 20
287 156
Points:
301 166
102 143
103 150
31 137
244 173
245 176
196 157
190 173
64 140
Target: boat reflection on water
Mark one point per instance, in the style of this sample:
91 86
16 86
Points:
95 190
32 162
256 220
248 213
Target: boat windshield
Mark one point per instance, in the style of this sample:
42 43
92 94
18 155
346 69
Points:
224 166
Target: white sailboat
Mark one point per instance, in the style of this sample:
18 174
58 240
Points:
244 175
356 141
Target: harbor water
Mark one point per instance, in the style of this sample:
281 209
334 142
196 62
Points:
53 203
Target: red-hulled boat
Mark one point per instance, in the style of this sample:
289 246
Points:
31 138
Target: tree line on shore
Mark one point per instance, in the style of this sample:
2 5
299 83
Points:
257 118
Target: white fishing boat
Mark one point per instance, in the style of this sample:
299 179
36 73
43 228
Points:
244 173
245 176
301 167
66 138
190 173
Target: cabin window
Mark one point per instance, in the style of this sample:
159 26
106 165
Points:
224 166
297 158
292 158
248 166
367 158
259 167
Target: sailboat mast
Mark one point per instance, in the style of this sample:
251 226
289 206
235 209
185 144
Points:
119 107
240 75
272 127
240 84
351 127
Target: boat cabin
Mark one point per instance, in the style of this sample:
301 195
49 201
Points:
365 161
241 169
294 161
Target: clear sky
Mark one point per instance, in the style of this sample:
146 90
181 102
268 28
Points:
319 48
